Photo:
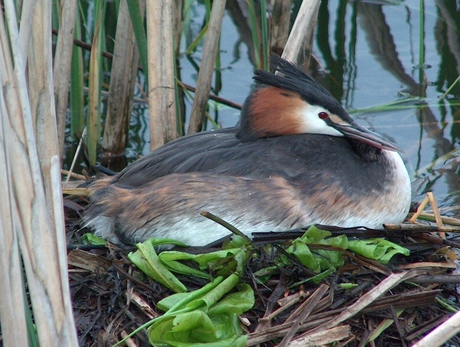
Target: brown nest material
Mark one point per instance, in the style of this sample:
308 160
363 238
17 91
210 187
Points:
393 305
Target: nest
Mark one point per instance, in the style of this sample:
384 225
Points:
389 305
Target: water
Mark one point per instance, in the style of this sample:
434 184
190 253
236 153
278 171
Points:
390 56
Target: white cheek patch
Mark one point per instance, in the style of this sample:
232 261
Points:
312 124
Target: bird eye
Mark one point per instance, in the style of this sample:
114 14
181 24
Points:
323 115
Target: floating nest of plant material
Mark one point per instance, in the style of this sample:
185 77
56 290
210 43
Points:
362 302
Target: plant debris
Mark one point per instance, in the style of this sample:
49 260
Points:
361 302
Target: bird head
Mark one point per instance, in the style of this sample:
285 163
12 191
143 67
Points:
290 102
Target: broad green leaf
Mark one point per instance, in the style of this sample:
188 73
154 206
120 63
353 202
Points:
211 297
222 330
146 259
378 249
319 260
184 300
241 259
194 321
176 255
314 234
237 303
222 262
233 342
235 242
183 269
206 317
162 242
303 253
172 300
205 259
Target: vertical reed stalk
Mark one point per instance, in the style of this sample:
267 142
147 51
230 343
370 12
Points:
421 61
302 30
163 123
77 97
136 11
95 84
255 32
41 92
122 82
279 25
62 65
40 236
264 34
203 88
12 303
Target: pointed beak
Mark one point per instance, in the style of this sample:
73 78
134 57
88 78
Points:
362 134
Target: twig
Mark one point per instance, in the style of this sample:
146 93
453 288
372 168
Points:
420 208
305 309
445 220
225 224
437 215
422 228
287 303
129 341
323 338
429 198
441 334
74 160
143 305
438 279
73 175
388 283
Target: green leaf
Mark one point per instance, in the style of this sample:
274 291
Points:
139 31
314 235
210 298
194 321
319 260
204 259
146 259
90 238
378 249
348 285
77 97
197 329
206 317
184 300
223 262
236 303
162 242
183 269
199 38
321 276
236 241
170 301
95 84
304 255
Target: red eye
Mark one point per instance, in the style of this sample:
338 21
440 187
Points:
323 115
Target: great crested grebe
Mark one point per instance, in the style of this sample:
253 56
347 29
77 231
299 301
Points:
297 159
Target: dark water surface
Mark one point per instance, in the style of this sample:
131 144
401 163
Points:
389 62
